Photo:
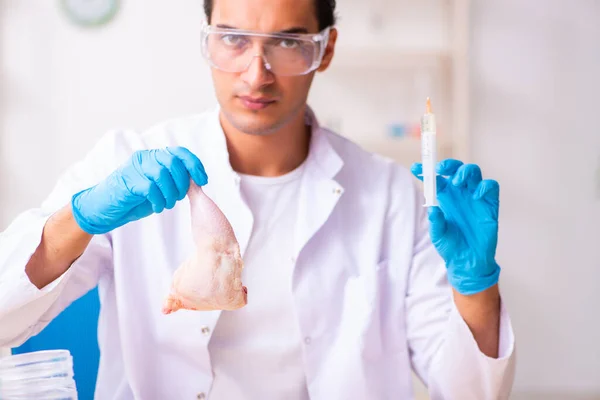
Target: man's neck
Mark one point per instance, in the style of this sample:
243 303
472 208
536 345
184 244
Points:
274 154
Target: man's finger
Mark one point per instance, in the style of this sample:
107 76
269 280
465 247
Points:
487 189
178 171
191 163
448 167
468 175
417 170
155 197
437 223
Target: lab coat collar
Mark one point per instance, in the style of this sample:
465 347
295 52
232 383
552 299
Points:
319 192
321 155
318 195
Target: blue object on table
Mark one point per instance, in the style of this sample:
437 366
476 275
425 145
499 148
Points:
75 329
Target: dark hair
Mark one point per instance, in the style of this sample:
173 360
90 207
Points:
325 12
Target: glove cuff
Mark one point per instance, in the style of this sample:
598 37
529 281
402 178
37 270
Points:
472 285
83 223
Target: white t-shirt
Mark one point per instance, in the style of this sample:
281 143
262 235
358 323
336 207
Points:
256 360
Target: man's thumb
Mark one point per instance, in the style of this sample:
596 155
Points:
437 223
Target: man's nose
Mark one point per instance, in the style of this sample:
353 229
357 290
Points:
257 75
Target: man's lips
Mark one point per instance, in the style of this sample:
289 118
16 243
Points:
256 103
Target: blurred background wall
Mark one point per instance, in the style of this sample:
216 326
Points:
533 69
534 82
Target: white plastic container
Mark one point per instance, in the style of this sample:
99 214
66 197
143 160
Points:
38 375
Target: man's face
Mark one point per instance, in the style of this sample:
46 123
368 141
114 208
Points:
256 101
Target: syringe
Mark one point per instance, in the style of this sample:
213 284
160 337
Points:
428 156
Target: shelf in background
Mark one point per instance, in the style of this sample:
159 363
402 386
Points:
404 151
386 58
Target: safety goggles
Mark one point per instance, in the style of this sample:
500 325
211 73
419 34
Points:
285 54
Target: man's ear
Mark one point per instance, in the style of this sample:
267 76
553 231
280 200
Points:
329 50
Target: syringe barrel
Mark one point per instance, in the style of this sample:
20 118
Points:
429 159
428 123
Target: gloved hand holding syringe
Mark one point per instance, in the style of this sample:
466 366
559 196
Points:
462 210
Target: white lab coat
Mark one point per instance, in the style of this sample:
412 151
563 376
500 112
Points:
370 291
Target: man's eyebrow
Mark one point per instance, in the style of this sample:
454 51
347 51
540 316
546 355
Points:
293 30
296 29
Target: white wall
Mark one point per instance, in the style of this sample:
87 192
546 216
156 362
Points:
63 86
534 68
536 78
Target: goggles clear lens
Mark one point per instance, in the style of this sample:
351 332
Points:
232 50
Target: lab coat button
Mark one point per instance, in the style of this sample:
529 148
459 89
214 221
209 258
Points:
205 330
201 396
307 340
337 191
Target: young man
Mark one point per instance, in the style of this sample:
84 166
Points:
350 284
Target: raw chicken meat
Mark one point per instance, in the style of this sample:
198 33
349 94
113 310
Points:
211 278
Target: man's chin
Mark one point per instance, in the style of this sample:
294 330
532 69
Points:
254 123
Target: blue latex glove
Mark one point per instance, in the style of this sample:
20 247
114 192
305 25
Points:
464 228
149 182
